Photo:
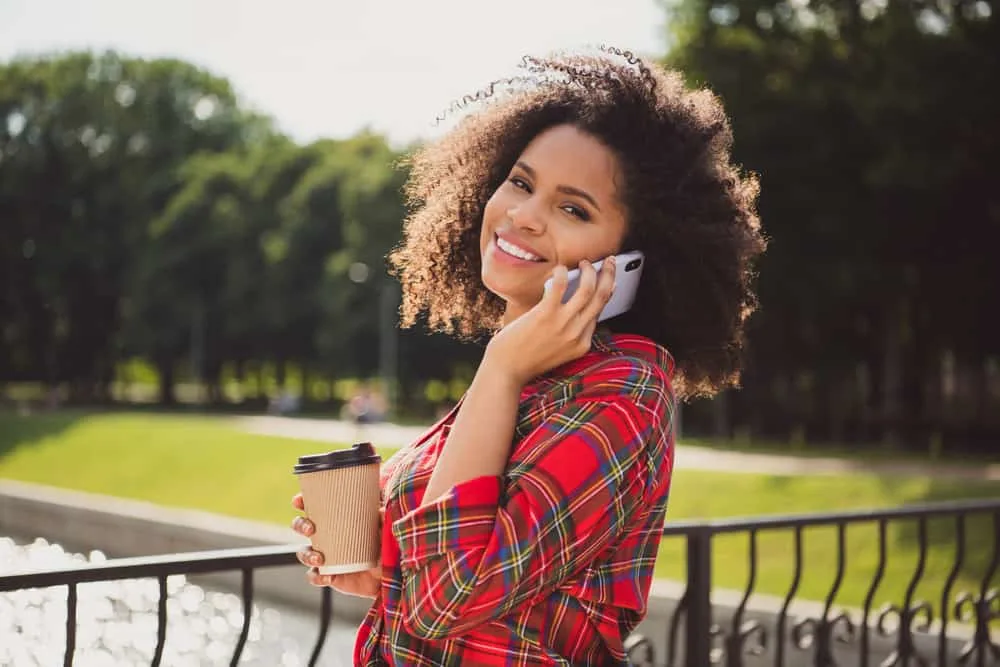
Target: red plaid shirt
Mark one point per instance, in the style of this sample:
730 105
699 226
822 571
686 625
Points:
551 563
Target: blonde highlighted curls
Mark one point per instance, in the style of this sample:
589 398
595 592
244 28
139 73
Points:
688 207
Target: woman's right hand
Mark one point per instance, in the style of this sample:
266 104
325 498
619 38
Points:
361 584
552 332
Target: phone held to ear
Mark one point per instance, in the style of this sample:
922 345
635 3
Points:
628 270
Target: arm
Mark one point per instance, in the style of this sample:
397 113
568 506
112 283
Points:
549 335
473 555
479 442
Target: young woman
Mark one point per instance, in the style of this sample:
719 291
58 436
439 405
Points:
522 529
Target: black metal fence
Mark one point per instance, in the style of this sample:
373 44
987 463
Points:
245 561
950 627
913 630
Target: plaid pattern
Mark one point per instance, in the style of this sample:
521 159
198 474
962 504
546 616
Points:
551 563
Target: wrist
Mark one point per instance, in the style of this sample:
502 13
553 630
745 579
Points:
502 373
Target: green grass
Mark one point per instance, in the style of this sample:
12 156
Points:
202 462
870 452
185 461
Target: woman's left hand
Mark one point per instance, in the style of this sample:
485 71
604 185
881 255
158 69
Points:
364 584
552 332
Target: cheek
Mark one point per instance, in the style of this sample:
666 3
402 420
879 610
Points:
494 207
577 247
490 218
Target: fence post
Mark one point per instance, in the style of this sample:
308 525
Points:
698 648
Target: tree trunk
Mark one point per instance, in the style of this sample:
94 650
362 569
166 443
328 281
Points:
279 373
720 415
165 369
914 419
240 374
106 377
986 413
892 362
213 382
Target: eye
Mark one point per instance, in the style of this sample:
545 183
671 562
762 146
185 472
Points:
576 212
519 183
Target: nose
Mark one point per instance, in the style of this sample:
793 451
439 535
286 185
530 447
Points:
527 216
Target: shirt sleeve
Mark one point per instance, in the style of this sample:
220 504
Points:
483 549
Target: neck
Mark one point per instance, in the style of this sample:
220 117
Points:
510 314
514 310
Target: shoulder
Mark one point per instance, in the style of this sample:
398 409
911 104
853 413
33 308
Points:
626 367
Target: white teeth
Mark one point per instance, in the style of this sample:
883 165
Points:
517 252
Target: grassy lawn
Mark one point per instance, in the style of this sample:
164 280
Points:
175 460
202 462
874 452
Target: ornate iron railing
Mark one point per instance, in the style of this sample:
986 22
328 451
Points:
245 561
707 638
819 639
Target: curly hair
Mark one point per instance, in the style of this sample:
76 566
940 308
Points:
691 211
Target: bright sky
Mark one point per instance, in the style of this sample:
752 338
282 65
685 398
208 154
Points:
330 68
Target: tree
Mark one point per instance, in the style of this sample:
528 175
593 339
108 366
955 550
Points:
186 286
870 126
89 156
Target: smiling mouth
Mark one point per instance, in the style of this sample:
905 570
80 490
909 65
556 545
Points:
515 251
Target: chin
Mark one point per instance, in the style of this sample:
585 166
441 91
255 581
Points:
499 289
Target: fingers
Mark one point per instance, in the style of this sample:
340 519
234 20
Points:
604 286
316 579
309 557
560 281
303 526
298 503
593 294
356 583
585 290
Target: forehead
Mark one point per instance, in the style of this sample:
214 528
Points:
572 157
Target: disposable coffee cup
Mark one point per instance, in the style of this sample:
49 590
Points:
340 492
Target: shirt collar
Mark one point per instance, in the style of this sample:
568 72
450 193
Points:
604 343
633 345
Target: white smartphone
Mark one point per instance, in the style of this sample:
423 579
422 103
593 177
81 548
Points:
628 270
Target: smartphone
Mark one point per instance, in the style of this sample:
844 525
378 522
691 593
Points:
628 270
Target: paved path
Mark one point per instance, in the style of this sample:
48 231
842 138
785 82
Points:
688 456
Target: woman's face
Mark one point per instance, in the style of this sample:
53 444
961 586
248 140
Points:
558 205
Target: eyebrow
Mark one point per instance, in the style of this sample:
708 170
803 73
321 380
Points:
567 189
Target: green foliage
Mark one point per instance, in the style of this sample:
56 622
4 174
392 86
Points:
90 152
147 215
873 129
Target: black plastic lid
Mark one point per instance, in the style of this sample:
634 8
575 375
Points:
360 454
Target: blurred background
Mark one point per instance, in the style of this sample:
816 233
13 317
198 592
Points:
196 201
